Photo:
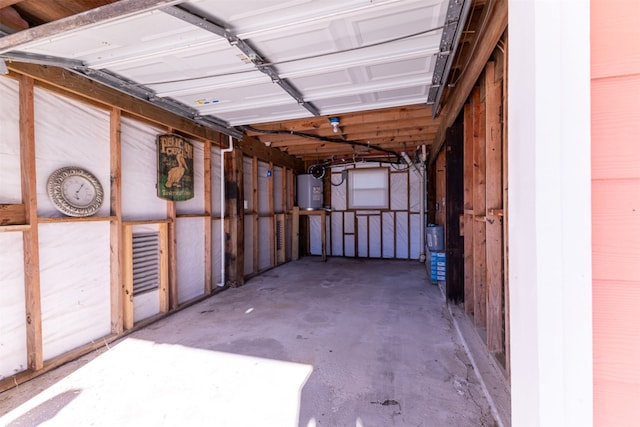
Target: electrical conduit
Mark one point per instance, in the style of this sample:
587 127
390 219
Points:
222 211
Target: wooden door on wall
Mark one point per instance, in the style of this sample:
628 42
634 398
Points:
454 208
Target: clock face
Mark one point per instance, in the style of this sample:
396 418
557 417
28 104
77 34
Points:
75 191
78 191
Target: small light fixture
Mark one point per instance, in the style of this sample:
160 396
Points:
335 122
267 143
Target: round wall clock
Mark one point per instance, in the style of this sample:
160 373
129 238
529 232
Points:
75 191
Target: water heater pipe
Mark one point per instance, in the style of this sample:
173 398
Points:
222 211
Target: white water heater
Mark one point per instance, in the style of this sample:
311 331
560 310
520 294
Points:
309 191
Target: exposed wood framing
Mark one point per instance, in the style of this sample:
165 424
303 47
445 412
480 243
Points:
117 325
295 233
505 201
172 249
12 214
488 39
485 192
165 269
127 276
495 316
469 297
33 309
234 224
256 214
272 218
479 211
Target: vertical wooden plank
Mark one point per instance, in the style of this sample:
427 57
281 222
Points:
505 204
117 325
454 207
234 226
173 256
295 234
165 267
493 138
283 189
272 219
127 277
208 251
479 211
256 215
33 308
469 296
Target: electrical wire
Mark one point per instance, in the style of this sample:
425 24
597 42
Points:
321 138
304 58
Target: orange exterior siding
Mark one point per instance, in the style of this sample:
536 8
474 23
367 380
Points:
615 86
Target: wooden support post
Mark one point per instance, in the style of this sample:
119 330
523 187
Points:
288 206
234 226
165 267
127 276
495 317
33 308
173 255
295 234
256 215
479 211
469 296
117 325
208 252
505 205
272 219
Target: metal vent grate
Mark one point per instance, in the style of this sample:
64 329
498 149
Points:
279 234
280 238
146 262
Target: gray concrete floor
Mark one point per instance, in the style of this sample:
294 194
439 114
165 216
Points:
342 343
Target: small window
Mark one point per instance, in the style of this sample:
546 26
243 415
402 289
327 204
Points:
369 188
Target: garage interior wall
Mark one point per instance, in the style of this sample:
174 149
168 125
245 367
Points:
371 233
68 313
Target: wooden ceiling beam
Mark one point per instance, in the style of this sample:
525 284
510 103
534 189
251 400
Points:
364 138
366 118
352 132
